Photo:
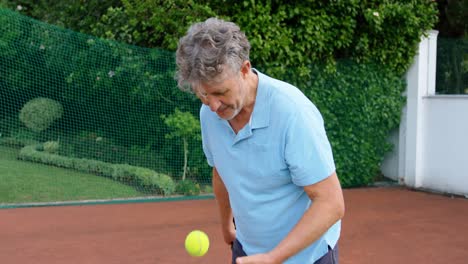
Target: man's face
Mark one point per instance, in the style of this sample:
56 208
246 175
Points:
226 97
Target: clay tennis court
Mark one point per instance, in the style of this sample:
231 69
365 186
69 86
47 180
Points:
382 225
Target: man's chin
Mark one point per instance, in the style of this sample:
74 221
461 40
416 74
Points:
227 118
227 115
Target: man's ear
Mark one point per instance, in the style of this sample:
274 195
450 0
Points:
245 68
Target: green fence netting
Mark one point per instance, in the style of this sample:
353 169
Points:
89 119
86 118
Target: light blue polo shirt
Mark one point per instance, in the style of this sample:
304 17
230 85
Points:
265 166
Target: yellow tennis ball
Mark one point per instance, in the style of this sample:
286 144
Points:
197 243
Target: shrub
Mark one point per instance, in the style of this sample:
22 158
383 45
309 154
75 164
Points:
207 189
144 179
39 113
51 146
188 187
165 184
94 146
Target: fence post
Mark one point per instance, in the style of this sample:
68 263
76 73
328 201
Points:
432 62
420 83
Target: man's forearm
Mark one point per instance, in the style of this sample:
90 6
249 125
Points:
327 209
222 199
312 225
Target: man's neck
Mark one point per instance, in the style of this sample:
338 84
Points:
241 119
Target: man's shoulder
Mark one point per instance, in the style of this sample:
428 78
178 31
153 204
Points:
288 101
282 91
287 97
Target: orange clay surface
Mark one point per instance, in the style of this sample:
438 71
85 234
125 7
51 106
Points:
381 226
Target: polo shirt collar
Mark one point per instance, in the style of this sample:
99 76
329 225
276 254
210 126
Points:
261 114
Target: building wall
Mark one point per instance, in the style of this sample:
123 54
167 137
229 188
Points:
446 144
431 144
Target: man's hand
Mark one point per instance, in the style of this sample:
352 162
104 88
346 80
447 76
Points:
257 259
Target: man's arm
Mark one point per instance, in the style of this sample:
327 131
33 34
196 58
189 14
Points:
327 208
224 206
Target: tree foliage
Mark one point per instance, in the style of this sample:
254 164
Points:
39 113
183 126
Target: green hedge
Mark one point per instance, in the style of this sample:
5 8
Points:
145 179
358 121
309 43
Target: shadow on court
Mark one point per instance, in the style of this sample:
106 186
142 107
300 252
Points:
381 226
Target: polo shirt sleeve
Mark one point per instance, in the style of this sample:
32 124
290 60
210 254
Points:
308 152
205 141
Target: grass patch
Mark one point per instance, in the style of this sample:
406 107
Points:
22 182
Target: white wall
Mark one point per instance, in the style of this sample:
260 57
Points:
431 144
446 144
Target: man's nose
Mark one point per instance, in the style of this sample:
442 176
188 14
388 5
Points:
213 103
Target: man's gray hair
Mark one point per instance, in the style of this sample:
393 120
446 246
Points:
208 51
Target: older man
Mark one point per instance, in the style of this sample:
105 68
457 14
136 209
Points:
273 167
